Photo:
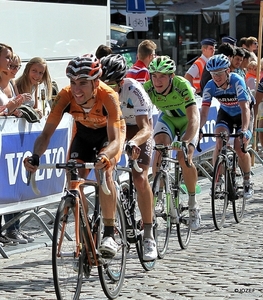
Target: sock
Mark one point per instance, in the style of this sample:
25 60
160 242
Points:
192 203
148 231
108 231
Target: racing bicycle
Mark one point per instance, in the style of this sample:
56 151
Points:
227 181
170 200
77 237
129 205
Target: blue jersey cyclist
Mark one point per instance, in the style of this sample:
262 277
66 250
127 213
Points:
174 97
136 109
231 91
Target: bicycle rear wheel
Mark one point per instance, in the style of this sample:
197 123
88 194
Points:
239 203
219 192
112 271
67 268
182 227
162 213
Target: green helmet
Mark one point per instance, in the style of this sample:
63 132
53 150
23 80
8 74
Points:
162 64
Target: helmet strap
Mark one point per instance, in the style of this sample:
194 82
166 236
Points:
92 95
226 82
169 85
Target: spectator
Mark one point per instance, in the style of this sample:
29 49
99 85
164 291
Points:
6 54
194 73
252 46
102 51
145 54
242 42
36 72
230 40
237 60
6 81
251 76
245 62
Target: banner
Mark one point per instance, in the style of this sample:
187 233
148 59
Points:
17 138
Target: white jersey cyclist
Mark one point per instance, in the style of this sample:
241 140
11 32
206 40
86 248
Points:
134 101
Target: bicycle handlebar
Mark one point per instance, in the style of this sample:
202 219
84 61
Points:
162 147
224 135
70 165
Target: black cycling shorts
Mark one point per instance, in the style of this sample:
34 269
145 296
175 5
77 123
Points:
87 143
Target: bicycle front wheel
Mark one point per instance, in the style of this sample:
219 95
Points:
182 227
162 213
67 268
239 202
219 192
112 271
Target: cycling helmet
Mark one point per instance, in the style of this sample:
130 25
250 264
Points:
219 61
162 64
86 66
114 68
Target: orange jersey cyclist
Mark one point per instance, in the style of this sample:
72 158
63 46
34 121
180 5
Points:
99 130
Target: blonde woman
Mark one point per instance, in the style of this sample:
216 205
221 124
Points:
35 73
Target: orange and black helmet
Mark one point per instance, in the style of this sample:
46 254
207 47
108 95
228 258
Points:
86 66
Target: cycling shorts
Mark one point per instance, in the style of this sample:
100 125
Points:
227 121
88 142
173 127
146 148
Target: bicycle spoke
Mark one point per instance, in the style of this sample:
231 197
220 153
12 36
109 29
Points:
112 271
67 268
219 193
240 202
162 214
183 229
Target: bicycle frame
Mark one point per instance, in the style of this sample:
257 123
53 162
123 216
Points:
164 168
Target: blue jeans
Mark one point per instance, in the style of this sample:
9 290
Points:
14 226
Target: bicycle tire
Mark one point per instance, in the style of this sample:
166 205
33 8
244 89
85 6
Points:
147 265
162 214
112 271
67 269
239 203
182 227
219 192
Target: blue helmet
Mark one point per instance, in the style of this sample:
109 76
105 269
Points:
216 62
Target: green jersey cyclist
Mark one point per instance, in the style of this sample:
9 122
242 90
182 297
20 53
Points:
174 97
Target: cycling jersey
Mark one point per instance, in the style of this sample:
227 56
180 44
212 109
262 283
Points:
90 134
172 118
175 103
228 98
106 104
134 101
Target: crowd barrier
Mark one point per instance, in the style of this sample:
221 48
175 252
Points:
17 138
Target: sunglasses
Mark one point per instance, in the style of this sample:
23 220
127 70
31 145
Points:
220 73
113 86
13 67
